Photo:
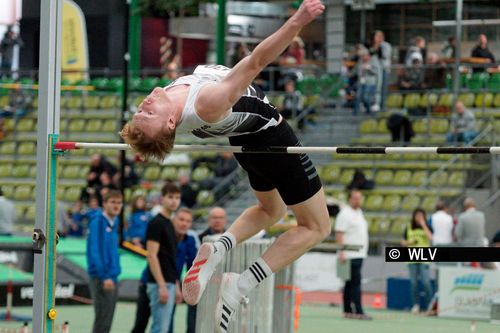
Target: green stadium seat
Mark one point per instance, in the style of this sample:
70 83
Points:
32 173
402 178
20 212
109 126
8 190
384 177
483 100
169 172
346 176
26 125
71 172
428 99
418 178
391 203
420 126
394 101
205 198
411 101
429 203
410 203
201 173
21 170
438 179
72 194
439 126
330 174
368 126
91 101
374 202
30 213
5 170
9 124
496 101
23 192
27 148
76 125
148 84
74 102
93 125
398 226
152 173
7 148
382 127
445 100
457 179
467 99
4 101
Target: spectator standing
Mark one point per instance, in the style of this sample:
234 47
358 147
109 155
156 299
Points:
188 193
10 39
463 125
161 247
138 221
416 51
470 230
294 54
482 51
383 50
351 228
240 51
448 50
103 261
7 215
368 71
186 252
78 217
217 220
418 234
441 225
293 102
435 73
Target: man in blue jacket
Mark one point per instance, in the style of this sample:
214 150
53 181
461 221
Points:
103 261
186 252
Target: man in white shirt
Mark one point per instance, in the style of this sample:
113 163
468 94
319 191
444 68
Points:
7 215
351 228
442 226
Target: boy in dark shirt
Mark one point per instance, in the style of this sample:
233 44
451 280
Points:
161 247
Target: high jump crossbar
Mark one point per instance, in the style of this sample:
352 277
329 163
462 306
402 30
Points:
62 145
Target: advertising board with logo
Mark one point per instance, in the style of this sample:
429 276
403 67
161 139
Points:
466 292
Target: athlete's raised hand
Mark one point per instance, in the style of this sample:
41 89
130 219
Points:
308 11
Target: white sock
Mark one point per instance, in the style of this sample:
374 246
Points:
225 243
254 275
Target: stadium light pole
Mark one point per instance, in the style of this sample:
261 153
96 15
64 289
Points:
221 32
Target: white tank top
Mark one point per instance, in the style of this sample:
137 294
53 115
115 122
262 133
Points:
252 113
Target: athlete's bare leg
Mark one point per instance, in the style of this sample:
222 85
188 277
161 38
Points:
313 225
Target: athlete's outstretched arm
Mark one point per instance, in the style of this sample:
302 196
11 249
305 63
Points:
218 98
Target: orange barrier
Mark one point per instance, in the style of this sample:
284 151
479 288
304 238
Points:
298 300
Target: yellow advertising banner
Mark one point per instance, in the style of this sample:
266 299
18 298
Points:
74 50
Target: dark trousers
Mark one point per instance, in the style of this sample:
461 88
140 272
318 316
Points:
104 306
143 311
352 289
191 319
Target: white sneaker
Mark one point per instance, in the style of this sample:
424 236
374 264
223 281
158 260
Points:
199 274
415 309
229 301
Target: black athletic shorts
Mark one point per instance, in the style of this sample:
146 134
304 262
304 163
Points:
293 175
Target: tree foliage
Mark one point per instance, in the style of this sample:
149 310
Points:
167 8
